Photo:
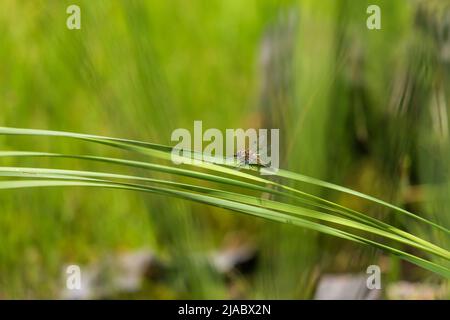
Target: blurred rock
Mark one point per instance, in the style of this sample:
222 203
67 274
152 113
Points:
241 258
133 267
416 291
345 287
88 288
123 273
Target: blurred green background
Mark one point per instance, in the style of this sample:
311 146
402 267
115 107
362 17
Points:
367 109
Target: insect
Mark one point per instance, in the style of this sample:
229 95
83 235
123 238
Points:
249 157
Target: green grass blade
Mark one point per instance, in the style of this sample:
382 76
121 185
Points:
242 198
239 207
323 204
162 151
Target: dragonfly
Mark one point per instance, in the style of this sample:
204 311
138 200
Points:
249 157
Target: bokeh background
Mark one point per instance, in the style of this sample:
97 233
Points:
367 109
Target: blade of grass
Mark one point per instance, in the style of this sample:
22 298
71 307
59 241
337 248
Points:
244 208
354 215
164 152
269 204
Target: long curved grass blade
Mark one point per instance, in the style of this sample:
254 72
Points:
325 204
162 151
242 198
328 185
354 215
239 207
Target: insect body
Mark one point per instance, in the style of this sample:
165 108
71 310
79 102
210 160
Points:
249 157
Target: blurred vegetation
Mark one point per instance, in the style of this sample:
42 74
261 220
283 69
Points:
360 108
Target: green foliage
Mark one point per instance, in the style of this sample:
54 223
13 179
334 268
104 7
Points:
363 109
